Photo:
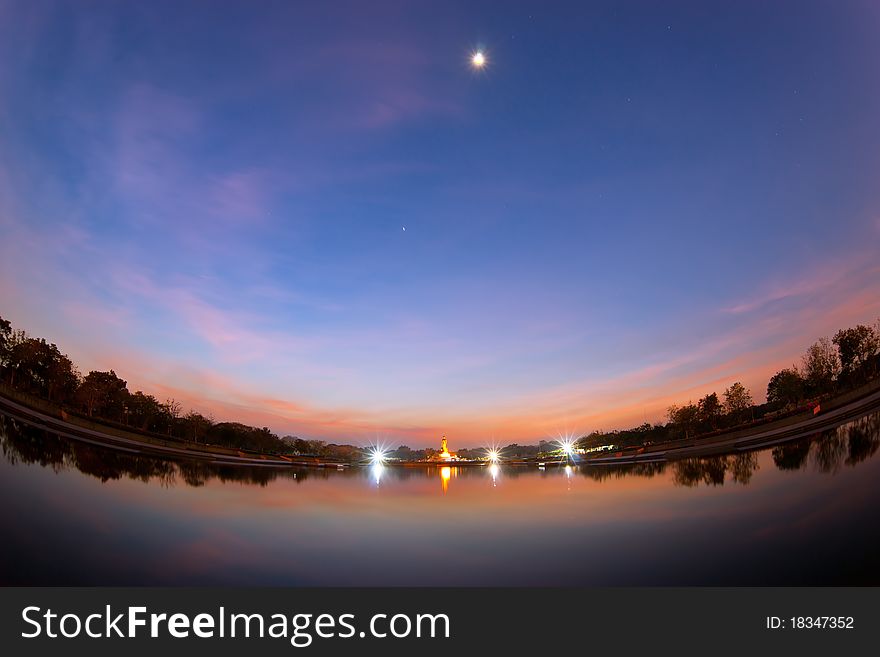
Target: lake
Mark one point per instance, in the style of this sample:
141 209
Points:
807 512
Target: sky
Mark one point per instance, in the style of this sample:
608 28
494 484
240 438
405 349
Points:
319 217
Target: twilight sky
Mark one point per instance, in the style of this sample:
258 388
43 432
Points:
633 204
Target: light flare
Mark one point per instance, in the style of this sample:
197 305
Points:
567 444
377 452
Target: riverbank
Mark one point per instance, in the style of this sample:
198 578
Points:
835 412
133 443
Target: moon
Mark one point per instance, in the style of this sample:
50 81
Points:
404 228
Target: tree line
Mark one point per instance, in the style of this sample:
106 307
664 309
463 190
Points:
830 366
36 367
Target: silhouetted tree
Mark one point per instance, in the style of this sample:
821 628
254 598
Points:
684 417
171 409
855 347
821 366
143 411
785 387
5 336
38 367
737 398
104 394
196 427
710 410
234 434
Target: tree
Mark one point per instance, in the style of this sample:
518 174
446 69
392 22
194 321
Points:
144 411
710 410
39 367
684 417
301 446
197 426
104 394
785 387
173 408
821 366
17 354
62 378
5 336
737 398
855 347
317 447
234 434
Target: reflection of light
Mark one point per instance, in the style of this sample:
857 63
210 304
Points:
378 455
494 470
377 471
445 475
569 471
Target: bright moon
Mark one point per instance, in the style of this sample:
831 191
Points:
478 60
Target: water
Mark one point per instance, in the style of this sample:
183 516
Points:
803 513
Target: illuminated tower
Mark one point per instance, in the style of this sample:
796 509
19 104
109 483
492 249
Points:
445 454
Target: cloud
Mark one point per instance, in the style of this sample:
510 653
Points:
156 170
816 281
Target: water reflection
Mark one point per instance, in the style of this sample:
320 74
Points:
445 476
826 452
782 511
712 471
848 445
494 470
22 443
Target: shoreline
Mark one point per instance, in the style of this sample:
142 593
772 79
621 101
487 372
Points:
180 450
736 440
740 441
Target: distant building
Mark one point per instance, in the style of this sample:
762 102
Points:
445 454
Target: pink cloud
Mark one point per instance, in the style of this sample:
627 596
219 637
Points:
819 280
